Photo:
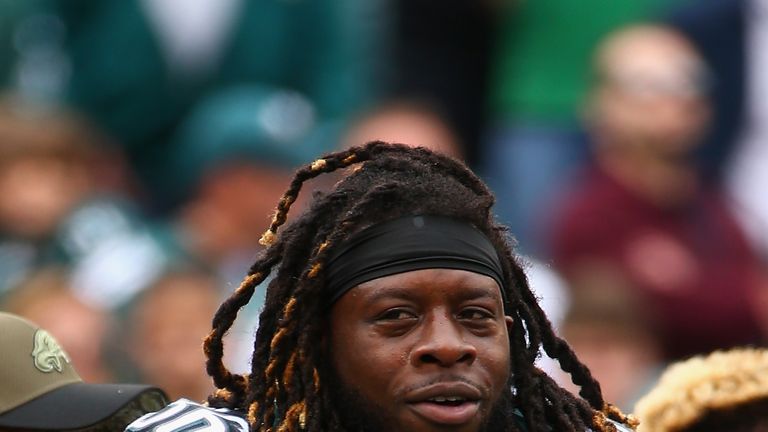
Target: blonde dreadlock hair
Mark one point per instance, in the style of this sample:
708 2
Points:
285 390
728 384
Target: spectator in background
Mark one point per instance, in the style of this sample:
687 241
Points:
612 331
408 122
725 391
41 391
46 297
139 68
167 324
539 77
60 205
43 177
641 212
235 154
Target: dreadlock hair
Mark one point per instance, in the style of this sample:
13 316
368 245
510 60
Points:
285 390
722 390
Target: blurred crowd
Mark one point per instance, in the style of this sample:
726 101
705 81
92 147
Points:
144 145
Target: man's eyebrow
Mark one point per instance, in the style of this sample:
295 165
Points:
394 292
405 293
477 292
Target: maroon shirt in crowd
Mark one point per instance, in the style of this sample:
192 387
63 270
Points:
692 263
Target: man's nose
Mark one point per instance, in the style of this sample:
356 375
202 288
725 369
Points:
442 343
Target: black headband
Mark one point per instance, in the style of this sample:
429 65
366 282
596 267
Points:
411 243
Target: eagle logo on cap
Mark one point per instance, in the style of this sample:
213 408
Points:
47 353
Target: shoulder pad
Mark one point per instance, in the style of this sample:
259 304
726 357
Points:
187 415
621 427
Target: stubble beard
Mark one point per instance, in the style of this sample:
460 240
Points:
358 414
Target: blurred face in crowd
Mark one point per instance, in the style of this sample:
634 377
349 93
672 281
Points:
651 92
225 220
407 124
36 193
170 323
425 350
620 359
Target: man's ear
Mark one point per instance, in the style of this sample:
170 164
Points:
510 322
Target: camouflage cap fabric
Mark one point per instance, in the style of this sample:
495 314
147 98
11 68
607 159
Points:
42 391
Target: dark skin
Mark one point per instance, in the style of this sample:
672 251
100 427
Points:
427 349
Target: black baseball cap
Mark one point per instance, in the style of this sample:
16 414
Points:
40 390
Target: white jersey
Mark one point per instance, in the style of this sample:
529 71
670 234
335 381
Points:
187 416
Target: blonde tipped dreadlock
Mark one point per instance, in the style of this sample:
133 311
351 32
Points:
613 412
252 410
690 390
289 370
315 270
319 164
284 392
267 238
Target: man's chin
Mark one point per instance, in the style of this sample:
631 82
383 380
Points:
358 414
355 412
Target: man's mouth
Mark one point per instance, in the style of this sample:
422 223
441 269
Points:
446 403
449 400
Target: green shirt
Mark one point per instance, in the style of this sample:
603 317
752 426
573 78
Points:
545 51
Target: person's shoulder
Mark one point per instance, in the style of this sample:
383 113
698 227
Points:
621 427
520 422
187 415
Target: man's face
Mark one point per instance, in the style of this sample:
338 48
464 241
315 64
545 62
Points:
653 94
426 350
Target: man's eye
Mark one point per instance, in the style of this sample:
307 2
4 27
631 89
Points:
475 314
396 315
